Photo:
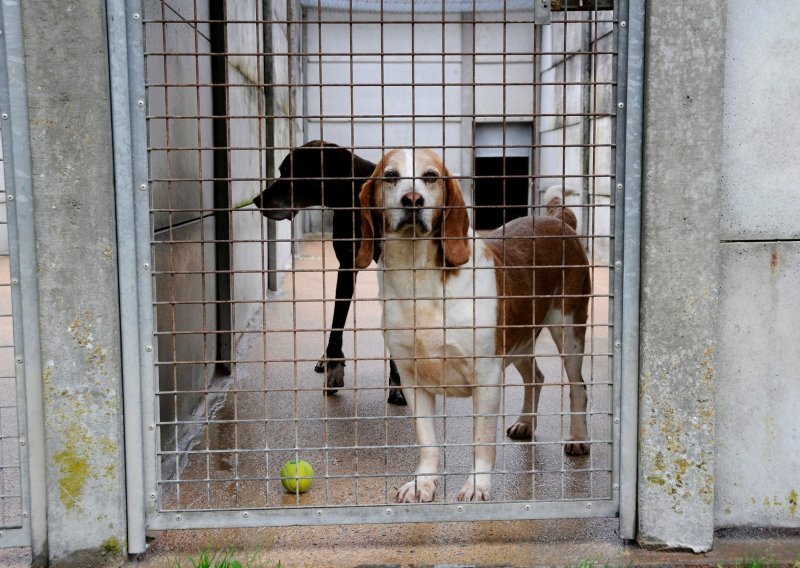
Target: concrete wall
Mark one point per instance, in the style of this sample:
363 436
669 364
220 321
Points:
187 261
330 112
569 165
66 60
285 105
719 427
181 170
758 386
680 272
427 115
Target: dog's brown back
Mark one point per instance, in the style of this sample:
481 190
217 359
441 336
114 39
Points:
539 261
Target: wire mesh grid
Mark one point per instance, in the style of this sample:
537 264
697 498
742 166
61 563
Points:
251 300
10 466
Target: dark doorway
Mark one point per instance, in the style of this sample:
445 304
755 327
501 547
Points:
501 190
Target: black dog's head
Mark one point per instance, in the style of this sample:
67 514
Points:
317 173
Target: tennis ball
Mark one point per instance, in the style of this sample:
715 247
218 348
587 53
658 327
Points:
297 476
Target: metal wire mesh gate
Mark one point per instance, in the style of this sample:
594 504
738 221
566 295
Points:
523 102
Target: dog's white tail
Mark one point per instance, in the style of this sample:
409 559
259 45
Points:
553 199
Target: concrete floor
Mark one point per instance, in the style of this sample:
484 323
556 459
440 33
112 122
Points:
589 543
485 543
361 448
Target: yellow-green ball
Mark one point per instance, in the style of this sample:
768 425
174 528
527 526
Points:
297 476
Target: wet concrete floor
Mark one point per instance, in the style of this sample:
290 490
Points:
225 473
362 448
587 543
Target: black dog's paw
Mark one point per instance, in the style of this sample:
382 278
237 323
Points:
397 397
334 376
320 366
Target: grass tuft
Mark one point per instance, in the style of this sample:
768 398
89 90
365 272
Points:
758 562
222 559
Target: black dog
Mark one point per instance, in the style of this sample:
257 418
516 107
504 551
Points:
322 173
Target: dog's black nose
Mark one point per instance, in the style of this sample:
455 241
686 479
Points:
412 199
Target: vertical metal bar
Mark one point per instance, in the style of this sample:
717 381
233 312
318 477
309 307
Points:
24 293
222 202
264 128
144 282
536 153
632 191
269 101
586 98
123 107
616 252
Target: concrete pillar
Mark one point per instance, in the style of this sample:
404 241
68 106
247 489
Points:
66 61
680 272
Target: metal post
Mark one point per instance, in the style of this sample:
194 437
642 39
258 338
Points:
124 29
17 157
631 191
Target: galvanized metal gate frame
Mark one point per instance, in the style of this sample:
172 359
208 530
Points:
126 49
24 289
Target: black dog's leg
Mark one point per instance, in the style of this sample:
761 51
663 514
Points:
395 394
333 363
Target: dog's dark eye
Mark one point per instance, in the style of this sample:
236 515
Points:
430 176
391 175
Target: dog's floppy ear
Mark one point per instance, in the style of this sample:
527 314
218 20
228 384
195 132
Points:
337 162
367 247
455 224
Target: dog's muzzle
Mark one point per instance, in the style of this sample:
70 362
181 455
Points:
273 208
412 207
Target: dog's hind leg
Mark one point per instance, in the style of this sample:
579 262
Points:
569 335
333 362
525 426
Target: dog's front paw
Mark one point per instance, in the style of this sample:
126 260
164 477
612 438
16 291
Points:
334 376
574 448
477 488
419 490
520 431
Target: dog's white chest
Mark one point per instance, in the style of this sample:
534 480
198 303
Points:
436 330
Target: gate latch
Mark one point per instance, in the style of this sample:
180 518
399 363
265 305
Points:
541 12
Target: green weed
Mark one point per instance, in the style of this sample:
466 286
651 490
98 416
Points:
758 562
223 559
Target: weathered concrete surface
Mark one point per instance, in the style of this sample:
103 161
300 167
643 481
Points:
680 265
760 197
67 77
758 423
591 542
758 391
565 542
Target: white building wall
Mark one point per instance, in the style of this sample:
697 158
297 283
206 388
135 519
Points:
758 382
367 101
397 85
576 150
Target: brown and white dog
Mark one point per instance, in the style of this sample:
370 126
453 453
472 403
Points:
458 309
